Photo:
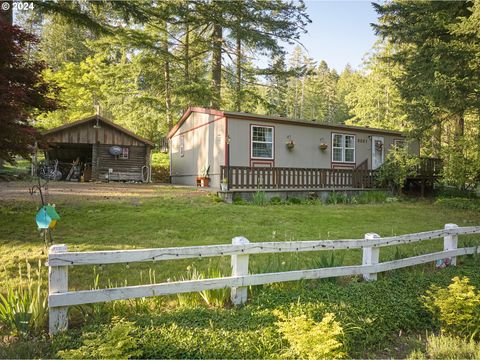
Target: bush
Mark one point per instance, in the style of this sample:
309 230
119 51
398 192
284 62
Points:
294 201
398 165
457 307
23 310
161 173
276 200
311 340
459 203
447 347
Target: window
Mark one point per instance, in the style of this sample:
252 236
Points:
124 154
399 143
343 148
182 146
262 142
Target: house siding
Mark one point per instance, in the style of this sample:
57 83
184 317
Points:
204 138
306 153
204 144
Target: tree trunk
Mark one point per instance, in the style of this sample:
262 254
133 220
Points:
187 55
166 71
216 66
238 90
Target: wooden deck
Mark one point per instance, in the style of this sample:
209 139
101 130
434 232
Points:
289 178
245 177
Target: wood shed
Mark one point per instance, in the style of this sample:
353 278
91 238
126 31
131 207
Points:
95 148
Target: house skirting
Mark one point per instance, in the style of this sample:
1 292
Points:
285 194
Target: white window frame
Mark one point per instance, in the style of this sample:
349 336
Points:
181 145
344 148
262 142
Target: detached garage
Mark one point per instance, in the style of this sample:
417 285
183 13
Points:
97 149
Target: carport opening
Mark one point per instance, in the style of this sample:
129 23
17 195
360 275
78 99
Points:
74 161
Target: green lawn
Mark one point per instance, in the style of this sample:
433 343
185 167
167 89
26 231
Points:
380 310
170 220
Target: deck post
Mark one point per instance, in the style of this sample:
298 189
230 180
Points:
238 295
57 283
371 255
450 242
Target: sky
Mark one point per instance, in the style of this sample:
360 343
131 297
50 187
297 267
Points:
340 32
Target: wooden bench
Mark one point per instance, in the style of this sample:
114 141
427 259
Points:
124 176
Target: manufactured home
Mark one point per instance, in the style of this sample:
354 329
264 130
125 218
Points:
243 150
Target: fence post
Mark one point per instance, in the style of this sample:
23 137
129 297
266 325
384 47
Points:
239 268
57 283
370 256
450 242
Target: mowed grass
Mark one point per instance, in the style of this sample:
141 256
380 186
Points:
171 220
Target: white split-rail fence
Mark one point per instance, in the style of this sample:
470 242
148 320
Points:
59 259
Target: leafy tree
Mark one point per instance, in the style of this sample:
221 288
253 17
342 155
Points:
23 92
375 100
436 48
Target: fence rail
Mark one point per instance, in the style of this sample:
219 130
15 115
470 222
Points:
60 259
245 177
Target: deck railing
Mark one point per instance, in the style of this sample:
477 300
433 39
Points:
245 177
429 167
59 260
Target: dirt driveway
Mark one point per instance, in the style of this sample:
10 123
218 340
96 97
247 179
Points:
71 191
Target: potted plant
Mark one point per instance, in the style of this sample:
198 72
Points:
290 144
224 184
204 179
323 146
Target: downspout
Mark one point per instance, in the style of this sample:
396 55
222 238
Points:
227 150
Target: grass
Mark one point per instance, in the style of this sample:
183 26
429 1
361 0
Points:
372 314
168 221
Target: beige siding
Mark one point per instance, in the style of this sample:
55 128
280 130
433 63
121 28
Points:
204 143
306 152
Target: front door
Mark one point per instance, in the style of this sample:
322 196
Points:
378 151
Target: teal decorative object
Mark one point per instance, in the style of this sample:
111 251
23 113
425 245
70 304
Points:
47 217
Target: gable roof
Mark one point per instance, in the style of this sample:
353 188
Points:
101 119
278 119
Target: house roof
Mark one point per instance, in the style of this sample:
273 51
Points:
102 119
278 119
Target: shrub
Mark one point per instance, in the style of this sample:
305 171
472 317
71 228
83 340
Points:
294 201
237 200
398 165
161 174
115 342
457 307
448 347
459 203
260 198
23 309
276 200
311 340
